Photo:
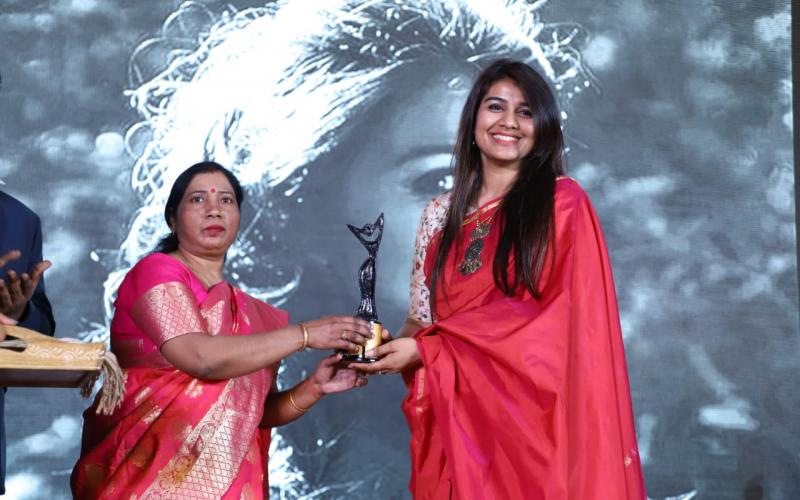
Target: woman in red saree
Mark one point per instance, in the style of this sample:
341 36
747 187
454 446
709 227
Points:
200 359
512 351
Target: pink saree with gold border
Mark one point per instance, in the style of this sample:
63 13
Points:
176 436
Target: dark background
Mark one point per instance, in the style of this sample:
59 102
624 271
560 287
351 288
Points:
683 140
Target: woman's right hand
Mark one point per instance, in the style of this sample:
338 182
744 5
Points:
393 357
344 333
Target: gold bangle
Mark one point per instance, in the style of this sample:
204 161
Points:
291 400
305 336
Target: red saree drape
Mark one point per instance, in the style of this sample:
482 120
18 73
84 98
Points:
176 436
520 398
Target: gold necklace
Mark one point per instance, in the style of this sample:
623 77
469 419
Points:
234 311
472 257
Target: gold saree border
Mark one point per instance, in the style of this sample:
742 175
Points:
166 311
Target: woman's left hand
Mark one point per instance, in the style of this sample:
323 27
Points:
332 376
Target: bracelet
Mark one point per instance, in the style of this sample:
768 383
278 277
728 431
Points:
291 400
305 336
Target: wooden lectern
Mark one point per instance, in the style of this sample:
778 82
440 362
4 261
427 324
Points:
30 359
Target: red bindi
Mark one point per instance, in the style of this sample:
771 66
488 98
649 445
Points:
213 190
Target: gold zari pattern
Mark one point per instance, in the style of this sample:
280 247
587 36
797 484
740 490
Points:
212 452
167 311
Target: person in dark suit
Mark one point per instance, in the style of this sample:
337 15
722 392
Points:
22 295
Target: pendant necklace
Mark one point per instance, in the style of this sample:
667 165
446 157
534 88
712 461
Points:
472 257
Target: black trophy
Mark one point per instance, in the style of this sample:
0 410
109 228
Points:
369 236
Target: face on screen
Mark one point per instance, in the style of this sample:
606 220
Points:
394 158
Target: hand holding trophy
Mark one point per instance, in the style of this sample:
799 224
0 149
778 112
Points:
370 236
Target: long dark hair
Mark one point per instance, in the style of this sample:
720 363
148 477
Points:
527 208
169 243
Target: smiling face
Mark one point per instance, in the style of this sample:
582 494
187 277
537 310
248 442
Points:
207 219
504 130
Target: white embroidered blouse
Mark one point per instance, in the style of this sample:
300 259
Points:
432 220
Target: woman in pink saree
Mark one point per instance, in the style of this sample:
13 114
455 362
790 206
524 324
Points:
200 359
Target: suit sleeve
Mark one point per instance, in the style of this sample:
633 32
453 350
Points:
38 314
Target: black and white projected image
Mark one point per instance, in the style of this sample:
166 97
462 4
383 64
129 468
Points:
678 118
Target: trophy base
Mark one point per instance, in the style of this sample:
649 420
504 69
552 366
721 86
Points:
357 358
358 355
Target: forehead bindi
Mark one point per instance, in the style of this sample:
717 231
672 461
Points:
214 182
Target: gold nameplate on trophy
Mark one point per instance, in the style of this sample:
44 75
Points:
359 354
